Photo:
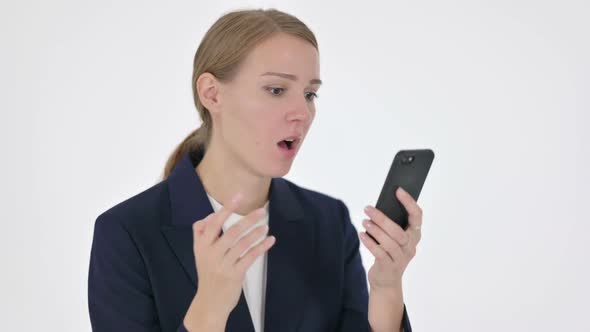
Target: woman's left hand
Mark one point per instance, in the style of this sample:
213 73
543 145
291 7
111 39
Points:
396 247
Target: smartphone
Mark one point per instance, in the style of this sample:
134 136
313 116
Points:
408 170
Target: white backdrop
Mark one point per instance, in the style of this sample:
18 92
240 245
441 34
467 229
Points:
95 95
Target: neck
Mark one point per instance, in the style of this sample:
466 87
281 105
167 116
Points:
222 177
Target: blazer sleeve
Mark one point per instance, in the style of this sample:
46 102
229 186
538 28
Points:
120 296
354 315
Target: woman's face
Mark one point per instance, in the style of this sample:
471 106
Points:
270 99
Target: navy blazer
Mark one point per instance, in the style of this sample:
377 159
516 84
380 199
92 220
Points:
142 274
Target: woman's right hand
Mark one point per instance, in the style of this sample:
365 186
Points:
220 268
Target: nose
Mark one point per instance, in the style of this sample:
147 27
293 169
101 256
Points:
300 110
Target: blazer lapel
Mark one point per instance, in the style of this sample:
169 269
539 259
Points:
289 260
189 203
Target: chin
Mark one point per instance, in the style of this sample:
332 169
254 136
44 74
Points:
272 167
279 171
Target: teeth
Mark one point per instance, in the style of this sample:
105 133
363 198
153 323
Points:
289 139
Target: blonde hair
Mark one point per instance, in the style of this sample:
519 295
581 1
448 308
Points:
222 49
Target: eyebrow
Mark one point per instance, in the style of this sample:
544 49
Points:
290 77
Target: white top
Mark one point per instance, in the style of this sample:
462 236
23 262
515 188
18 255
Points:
254 285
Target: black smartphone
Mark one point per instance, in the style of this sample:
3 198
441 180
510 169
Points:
408 170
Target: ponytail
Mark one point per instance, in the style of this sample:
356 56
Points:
198 139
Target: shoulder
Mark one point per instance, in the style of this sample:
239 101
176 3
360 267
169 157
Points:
140 211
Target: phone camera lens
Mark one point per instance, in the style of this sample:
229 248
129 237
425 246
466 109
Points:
407 159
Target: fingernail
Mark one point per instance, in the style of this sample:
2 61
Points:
402 191
367 208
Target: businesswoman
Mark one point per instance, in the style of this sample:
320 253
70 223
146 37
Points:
223 242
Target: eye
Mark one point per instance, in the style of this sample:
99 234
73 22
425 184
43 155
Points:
275 91
310 96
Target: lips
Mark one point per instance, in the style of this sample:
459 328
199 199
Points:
289 143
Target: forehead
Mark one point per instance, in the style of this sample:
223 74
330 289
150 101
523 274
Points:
284 53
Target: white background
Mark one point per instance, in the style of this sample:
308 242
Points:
95 95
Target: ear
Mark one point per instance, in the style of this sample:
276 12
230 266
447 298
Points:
208 90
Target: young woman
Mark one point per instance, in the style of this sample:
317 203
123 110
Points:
223 242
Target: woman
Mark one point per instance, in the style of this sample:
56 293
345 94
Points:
225 243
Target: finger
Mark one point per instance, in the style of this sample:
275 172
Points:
199 227
379 253
244 263
414 210
415 235
214 226
238 230
389 226
415 219
409 250
251 239
387 243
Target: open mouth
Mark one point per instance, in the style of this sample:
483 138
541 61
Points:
288 144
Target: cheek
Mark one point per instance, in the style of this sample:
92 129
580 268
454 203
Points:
267 127
243 113
257 124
